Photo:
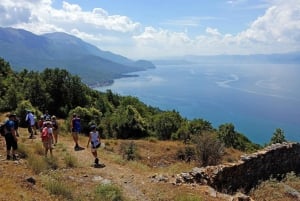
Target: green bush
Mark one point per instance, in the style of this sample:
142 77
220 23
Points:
129 150
108 192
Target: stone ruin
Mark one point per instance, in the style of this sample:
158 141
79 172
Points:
273 161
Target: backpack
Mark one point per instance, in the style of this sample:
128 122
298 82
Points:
2 129
44 134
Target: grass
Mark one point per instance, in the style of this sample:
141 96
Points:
37 163
108 192
58 176
70 160
187 197
57 187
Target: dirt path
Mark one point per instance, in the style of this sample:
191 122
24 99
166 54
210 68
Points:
129 181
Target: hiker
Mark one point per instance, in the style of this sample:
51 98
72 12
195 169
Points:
75 129
47 138
11 137
31 123
41 123
16 125
55 129
94 139
47 116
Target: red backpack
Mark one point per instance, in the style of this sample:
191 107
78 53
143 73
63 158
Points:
44 134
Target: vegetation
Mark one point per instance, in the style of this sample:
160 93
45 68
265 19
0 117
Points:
120 117
278 136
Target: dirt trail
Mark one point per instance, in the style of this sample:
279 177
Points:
130 182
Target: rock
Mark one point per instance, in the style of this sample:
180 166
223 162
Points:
31 180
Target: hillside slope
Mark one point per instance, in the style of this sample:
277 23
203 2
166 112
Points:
24 49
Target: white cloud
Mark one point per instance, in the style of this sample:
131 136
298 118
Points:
278 30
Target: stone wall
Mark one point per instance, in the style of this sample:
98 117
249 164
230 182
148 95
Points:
273 161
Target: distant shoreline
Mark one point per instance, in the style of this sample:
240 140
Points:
109 82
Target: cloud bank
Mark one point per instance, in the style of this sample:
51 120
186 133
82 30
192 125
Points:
276 31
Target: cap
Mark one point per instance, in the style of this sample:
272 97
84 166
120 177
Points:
93 127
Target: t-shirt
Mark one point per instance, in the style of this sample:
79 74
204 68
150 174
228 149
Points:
9 124
76 124
30 119
94 138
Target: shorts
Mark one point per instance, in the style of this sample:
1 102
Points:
10 142
94 148
47 143
74 130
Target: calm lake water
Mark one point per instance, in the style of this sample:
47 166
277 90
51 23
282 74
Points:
257 99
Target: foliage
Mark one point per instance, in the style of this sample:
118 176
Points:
58 187
209 149
166 123
70 160
278 136
125 117
108 192
231 138
129 150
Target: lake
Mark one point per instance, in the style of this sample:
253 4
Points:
256 98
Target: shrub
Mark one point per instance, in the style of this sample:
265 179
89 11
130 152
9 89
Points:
52 162
129 150
209 150
57 187
37 164
70 160
108 192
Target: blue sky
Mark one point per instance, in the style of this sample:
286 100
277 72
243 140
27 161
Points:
151 29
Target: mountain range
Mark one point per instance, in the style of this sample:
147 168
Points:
23 49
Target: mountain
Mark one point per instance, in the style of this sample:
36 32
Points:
23 49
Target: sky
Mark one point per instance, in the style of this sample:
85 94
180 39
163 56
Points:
156 29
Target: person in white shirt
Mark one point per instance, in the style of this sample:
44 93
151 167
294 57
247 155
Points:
94 139
31 123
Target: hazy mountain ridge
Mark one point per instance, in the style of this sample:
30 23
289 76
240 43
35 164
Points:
24 49
284 58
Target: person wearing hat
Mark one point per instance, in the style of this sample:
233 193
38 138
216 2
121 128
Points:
11 137
31 123
94 139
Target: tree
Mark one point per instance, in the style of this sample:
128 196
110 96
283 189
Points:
227 134
278 136
167 123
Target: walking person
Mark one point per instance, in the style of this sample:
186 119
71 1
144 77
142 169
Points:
95 140
31 123
55 129
11 137
47 138
75 129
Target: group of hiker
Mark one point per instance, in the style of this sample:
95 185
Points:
48 128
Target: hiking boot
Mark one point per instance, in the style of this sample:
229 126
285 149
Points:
78 148
8 157
14 157
96 161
